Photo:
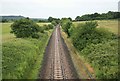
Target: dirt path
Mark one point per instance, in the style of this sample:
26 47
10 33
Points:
57 62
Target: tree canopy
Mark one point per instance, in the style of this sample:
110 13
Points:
25 28
97 16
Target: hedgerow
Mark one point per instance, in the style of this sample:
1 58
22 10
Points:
98 46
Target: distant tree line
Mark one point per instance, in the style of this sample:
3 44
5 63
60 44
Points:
5 19
54 21
86 17
97 16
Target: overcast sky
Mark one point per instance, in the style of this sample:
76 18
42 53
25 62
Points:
56 8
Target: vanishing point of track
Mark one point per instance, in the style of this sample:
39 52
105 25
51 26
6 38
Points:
57 63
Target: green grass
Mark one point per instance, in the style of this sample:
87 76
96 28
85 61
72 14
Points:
22 58
5 29
111 25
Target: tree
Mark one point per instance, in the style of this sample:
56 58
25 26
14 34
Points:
50 19
25 28
97 16
54 23
77 18
70 19
110 15
4 20
66 25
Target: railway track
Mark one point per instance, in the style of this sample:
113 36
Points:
57 62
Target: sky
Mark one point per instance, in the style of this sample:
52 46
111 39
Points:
56 8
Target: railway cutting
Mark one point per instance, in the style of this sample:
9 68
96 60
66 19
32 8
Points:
57 63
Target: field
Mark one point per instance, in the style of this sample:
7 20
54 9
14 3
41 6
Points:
6 35
111 25
41 24
22 58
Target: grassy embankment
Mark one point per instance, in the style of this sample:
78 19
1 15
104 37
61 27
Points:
81 66
22 58
101 59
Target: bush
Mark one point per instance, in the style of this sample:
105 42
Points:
18 58
99 47
54 22
104 58
66 25
22 58
25 28
87 33
48 27
41 29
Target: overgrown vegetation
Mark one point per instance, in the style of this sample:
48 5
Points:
87 33
104 58
66 24
98 46
22 57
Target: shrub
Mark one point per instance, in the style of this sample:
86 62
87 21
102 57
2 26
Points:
99 47
104 58
87 33
54 22
41 29
66 25
18 57
48 27
22 58
25 28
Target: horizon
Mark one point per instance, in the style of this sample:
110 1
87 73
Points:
56 8
55 17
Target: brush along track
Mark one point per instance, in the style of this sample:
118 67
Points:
57 62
